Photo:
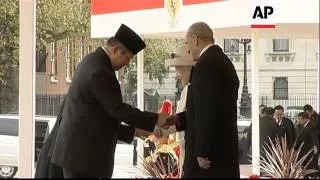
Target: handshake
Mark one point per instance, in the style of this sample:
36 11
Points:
165 120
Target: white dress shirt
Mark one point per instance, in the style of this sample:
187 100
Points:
306 124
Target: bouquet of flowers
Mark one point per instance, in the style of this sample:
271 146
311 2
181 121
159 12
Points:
161 158
163 162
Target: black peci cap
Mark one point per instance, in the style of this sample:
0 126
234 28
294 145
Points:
130 39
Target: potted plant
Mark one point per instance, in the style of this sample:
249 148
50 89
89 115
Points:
278 161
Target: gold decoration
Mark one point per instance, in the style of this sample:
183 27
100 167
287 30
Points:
173 7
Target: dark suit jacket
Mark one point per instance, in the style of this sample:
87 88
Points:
211 117
308 136
91 119
287 128
315 119
46 169
268 129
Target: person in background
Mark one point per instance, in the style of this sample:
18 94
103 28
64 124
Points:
262 108
307 135
314 119
285 126
183 62
267 127
248 131
313 115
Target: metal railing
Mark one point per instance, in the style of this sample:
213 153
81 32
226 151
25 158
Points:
296 102
49 104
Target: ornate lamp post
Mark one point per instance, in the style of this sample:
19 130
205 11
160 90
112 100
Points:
245 102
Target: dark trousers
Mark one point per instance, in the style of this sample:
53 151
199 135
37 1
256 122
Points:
69 174
192 171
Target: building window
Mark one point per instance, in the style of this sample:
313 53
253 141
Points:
81 52
73 55
280 88
53 60
231 45
68 69
41 57
281 45
89 49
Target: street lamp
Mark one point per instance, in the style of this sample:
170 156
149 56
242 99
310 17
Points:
245 102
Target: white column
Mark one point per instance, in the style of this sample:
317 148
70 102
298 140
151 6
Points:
68 59
27 33
140 99
53 65
140 88
255 104
318 84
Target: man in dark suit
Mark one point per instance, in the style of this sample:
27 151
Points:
285 127
210 120
314 117
268 127
94 111
308 136
262 109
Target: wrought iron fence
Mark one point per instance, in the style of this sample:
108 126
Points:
48 104
296 102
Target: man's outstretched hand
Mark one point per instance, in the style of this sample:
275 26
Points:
170 121
140 133
162 119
